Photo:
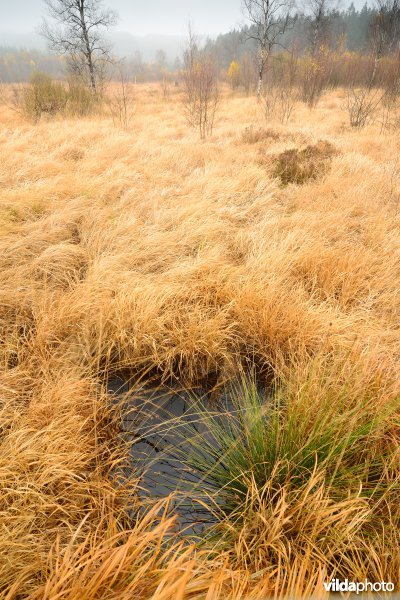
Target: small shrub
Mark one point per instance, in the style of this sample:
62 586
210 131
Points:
314 77
81 102
120 103
43 96
281 94
234 74
251 135
201 90
362 104
279 102
298 166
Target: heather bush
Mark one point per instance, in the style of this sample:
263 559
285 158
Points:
299 166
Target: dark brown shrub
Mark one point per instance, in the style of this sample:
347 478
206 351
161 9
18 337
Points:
298 166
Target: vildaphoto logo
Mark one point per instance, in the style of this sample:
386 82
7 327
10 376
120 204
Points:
358 587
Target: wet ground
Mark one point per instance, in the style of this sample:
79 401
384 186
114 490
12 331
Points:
161 426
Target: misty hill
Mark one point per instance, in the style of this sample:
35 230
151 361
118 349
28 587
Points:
19 41
125 44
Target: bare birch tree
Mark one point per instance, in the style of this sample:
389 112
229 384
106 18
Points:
385 28
318 15
77 31
201 92
269 19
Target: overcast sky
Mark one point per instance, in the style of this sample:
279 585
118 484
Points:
139 17
142 17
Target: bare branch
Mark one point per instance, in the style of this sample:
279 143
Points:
78 32
270 19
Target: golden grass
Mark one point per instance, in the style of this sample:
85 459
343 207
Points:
146 250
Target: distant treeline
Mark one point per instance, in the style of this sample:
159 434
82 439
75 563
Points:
349 30
18 65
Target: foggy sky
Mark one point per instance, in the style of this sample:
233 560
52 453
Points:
139 17
142 17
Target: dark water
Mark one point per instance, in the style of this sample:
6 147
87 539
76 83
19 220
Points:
161 426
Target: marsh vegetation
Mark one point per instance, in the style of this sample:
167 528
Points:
134 250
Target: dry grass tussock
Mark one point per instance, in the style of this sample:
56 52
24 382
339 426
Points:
144 250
